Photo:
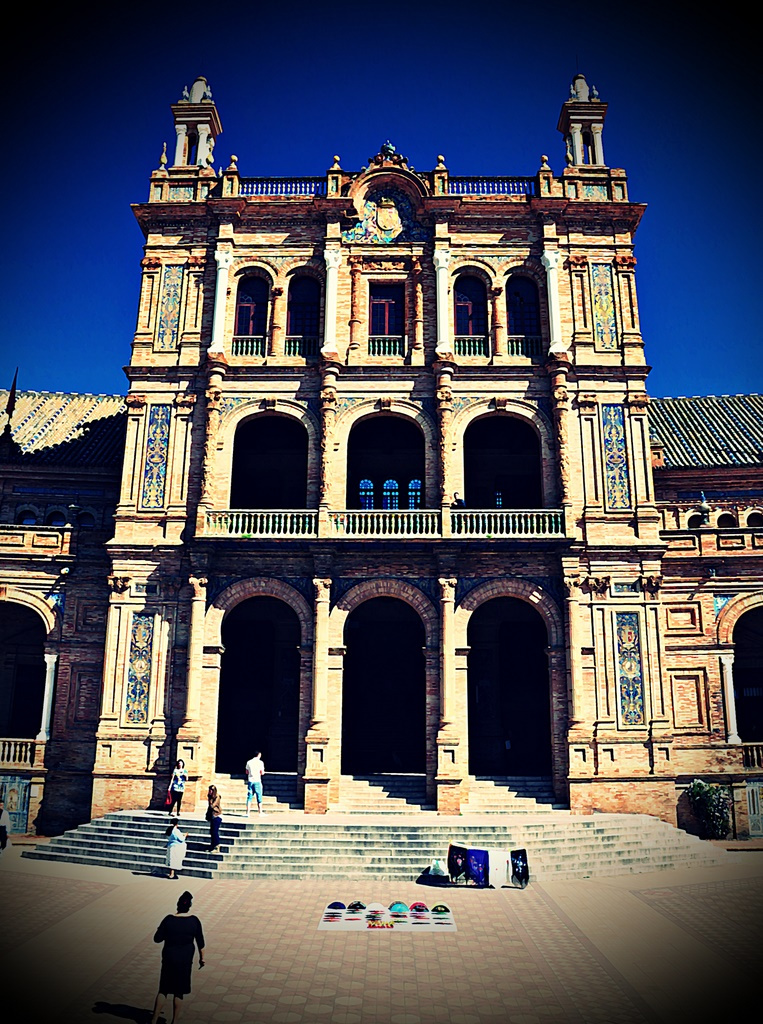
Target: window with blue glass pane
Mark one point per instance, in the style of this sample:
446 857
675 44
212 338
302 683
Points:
366 494
414 494
390 495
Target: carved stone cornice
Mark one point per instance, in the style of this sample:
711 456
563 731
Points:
587 404
595 585
135 403
198 586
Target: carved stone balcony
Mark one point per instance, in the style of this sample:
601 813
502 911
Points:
752 755
404 524
17 754
35 541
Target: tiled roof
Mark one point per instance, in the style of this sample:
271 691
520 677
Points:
709 431
56 428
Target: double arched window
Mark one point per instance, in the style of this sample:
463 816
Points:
470 316
303 316
251 317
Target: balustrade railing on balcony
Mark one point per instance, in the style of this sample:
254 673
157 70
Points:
16 753
752 755
490 523
528 345
307 186
471 345
250 345
491 186
413 523
262 523
386 345
297 345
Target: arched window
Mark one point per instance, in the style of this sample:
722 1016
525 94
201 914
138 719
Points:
26 517
755 520
414 494
726 520
366 494
523 306
391 495
252 307
269 464
387 310
694 522
86 520
304 312
55 518
471 306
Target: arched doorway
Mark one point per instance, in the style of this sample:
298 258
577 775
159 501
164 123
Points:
748 675
383 694
508 690
385 464
502 464
259 686
22 671
269 464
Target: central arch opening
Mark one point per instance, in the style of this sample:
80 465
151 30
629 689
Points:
502 464
384 690
385 464
748 675
22 671
259 686
269 464
508 690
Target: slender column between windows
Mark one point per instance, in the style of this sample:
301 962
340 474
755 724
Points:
321 651
195 649
202 150
598 147
47 701
448 650
499 325
727 672
224 261
550 260
576 132
356 318
278 312
441 264
180 144
333 258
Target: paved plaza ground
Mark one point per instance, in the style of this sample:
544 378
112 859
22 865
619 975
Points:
670 946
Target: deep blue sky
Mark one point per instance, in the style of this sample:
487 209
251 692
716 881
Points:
88 109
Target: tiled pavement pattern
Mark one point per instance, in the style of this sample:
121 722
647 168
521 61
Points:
668 946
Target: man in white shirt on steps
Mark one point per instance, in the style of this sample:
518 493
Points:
255 769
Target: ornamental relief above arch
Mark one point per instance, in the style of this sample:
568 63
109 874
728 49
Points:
359 409
384 587
257 586
529 592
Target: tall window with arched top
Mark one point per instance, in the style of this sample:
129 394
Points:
390 495
366 494
523 306
303 317
252 307
471 306
414 494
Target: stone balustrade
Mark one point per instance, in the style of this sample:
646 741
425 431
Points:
303 186
16 753
413 523
491 186
246 523
489 523
752 755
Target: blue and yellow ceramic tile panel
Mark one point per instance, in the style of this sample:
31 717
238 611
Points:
615 457
139 671
631 683
157 444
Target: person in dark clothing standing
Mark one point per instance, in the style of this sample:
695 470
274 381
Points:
214 816
178 932
177 786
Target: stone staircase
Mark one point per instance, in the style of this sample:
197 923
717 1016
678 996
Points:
280 793
507 794
383 794
344 846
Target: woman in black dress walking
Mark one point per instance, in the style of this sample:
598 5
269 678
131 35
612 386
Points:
178 932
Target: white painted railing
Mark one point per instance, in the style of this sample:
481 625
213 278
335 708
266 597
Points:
262 523
414 523
16 753
490 523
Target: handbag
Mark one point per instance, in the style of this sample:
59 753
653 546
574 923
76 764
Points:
209 815
168 799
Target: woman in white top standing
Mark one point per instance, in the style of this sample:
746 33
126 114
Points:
176 847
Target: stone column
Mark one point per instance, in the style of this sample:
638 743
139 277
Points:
321 652
447 650
195 651
47 701
224 261
214 401
576 134
598 147
561 404
202 149
550 260
727 674
277 316
417 349
356 310
180 144
333 258
444 397
328 417
499 324
441 264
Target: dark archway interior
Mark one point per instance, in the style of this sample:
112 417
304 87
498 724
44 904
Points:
748 675
22 671
508 687
502 464
384 691
259 687
383 448
269 464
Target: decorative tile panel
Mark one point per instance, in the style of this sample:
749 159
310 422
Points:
720 601
605 328
386 216
595 192
169 311
157 444
178 193
615 457
629 671
139 669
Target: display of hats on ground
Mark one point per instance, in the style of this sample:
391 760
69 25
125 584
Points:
398 916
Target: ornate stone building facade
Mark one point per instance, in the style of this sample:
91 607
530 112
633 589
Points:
395 500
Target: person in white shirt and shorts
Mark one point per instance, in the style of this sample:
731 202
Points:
255 769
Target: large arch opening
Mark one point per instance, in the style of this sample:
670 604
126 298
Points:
384 690
386 465
508 690
22 671
258 705
269 464
502 464
748 675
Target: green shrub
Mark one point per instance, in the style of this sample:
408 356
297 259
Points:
711 807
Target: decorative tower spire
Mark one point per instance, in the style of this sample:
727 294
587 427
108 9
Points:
197 125
9 449
581 122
